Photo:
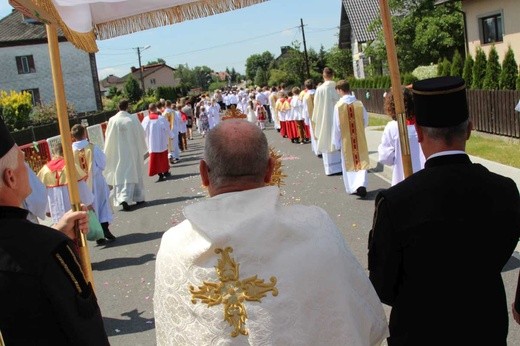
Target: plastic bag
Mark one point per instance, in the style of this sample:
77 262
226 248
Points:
95 230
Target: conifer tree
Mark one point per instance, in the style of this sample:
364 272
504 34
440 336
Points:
493 69
509 73
479 69
456 65
446 67
439 68
467 73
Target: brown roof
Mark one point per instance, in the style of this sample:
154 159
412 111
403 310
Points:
16 30
147 70
111 80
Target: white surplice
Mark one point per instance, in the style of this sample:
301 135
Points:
352 180
157 132
100 188
125 147
59 200
324 295
390 150
36 202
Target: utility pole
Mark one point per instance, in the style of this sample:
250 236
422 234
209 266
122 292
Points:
139 49
140 68
307 70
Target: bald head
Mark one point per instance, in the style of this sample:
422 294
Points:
236 157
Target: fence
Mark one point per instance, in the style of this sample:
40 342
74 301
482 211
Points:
37 149
36 133
492 111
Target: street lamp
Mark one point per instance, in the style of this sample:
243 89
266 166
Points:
139 50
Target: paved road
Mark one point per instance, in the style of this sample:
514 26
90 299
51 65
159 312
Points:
124 270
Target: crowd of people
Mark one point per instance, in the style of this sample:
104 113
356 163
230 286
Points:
264 268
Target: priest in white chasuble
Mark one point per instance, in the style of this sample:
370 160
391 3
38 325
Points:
125 147
245 269
350 120
325 99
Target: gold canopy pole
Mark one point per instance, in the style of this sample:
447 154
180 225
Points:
63 121
395 77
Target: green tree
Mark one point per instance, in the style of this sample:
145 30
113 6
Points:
256 61
479 69
186 76
439 67
234 75
292 62
446 67
493 70
276 77
518 82
260 77
132 90
467 73
340 60
113 91
203 77
423 33
509 72
158 61
456 65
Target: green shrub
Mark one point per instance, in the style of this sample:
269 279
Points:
456 65
47 113
509 73
467 73
424 72
446 67
409 78
479 69
16 108
493 71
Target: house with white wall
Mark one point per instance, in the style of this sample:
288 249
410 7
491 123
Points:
357 17
490 22
26 65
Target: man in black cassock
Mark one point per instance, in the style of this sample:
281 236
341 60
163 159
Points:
44 298
441 237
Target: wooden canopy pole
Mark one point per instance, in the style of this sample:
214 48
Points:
66 142
395 77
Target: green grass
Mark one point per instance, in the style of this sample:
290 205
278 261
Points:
498 150
378 120
489 148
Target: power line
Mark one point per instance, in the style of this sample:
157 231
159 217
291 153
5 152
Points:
216 46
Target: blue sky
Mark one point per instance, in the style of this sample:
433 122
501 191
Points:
224 40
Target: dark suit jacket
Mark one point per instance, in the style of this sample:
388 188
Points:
436 250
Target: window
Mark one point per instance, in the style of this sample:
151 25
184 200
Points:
25 64
491 28
35 93
152 81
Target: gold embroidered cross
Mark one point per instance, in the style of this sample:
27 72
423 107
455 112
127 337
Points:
232 292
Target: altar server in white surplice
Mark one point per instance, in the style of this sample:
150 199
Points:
125 147
350 120
325 99
92 160
244 269
390 148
